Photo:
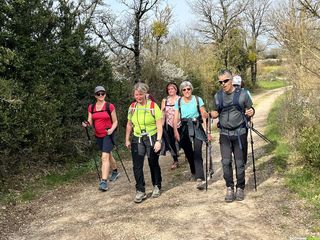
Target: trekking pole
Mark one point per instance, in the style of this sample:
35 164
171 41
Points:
94 159
261 135
211 171
207 146
117 152
253 161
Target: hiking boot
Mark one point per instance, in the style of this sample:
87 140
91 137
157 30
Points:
174 165
155 192
201 184
239 194
103 186
114 176
140 196
230 195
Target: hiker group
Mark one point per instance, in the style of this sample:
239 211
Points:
181 122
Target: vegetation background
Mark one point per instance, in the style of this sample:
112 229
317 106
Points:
54 52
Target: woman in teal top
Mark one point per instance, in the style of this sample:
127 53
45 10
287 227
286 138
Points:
190 109
145 122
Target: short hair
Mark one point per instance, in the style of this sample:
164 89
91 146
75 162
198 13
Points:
185 84
174 85
224 71
141 87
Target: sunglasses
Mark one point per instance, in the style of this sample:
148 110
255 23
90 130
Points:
100 94
224 81
186 89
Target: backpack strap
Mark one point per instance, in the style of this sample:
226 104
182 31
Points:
107 109
235 100
132 108
220 101
93 105
179 105
134 105
198 107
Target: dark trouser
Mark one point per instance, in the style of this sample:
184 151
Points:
194 155
138 151
171 142
229 144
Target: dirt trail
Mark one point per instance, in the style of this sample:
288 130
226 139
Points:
80 211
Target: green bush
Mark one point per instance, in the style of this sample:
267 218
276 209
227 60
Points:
309 144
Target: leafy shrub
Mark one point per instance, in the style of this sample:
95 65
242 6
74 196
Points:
309 144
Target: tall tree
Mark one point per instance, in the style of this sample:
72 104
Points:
217 20
256 20
126 32
312 6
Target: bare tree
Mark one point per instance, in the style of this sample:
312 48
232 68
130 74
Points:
312 6
217 20
160 27
125 34
255 18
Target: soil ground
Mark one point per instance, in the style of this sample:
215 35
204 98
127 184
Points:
80 211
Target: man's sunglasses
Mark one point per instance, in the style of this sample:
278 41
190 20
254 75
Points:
224 81
100 93
186 89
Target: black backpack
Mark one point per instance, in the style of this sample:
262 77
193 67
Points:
235 103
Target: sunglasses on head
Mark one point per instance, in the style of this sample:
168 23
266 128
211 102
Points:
186 89
100 93
224 81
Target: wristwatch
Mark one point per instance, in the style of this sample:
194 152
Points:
159 140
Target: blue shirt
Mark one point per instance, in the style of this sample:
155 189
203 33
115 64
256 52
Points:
189 110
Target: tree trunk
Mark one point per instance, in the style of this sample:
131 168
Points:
136 46
254 73
157 50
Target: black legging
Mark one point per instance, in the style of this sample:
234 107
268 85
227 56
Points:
193 154
171 142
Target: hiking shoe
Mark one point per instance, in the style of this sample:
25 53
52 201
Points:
140 196
230 195
201 184
114 176
103 186
155 192
174 165
239 194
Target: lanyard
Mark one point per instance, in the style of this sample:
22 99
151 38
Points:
144 118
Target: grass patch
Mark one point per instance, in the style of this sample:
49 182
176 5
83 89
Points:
313 238
280 147
270 69
36 187
269 85
304 181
